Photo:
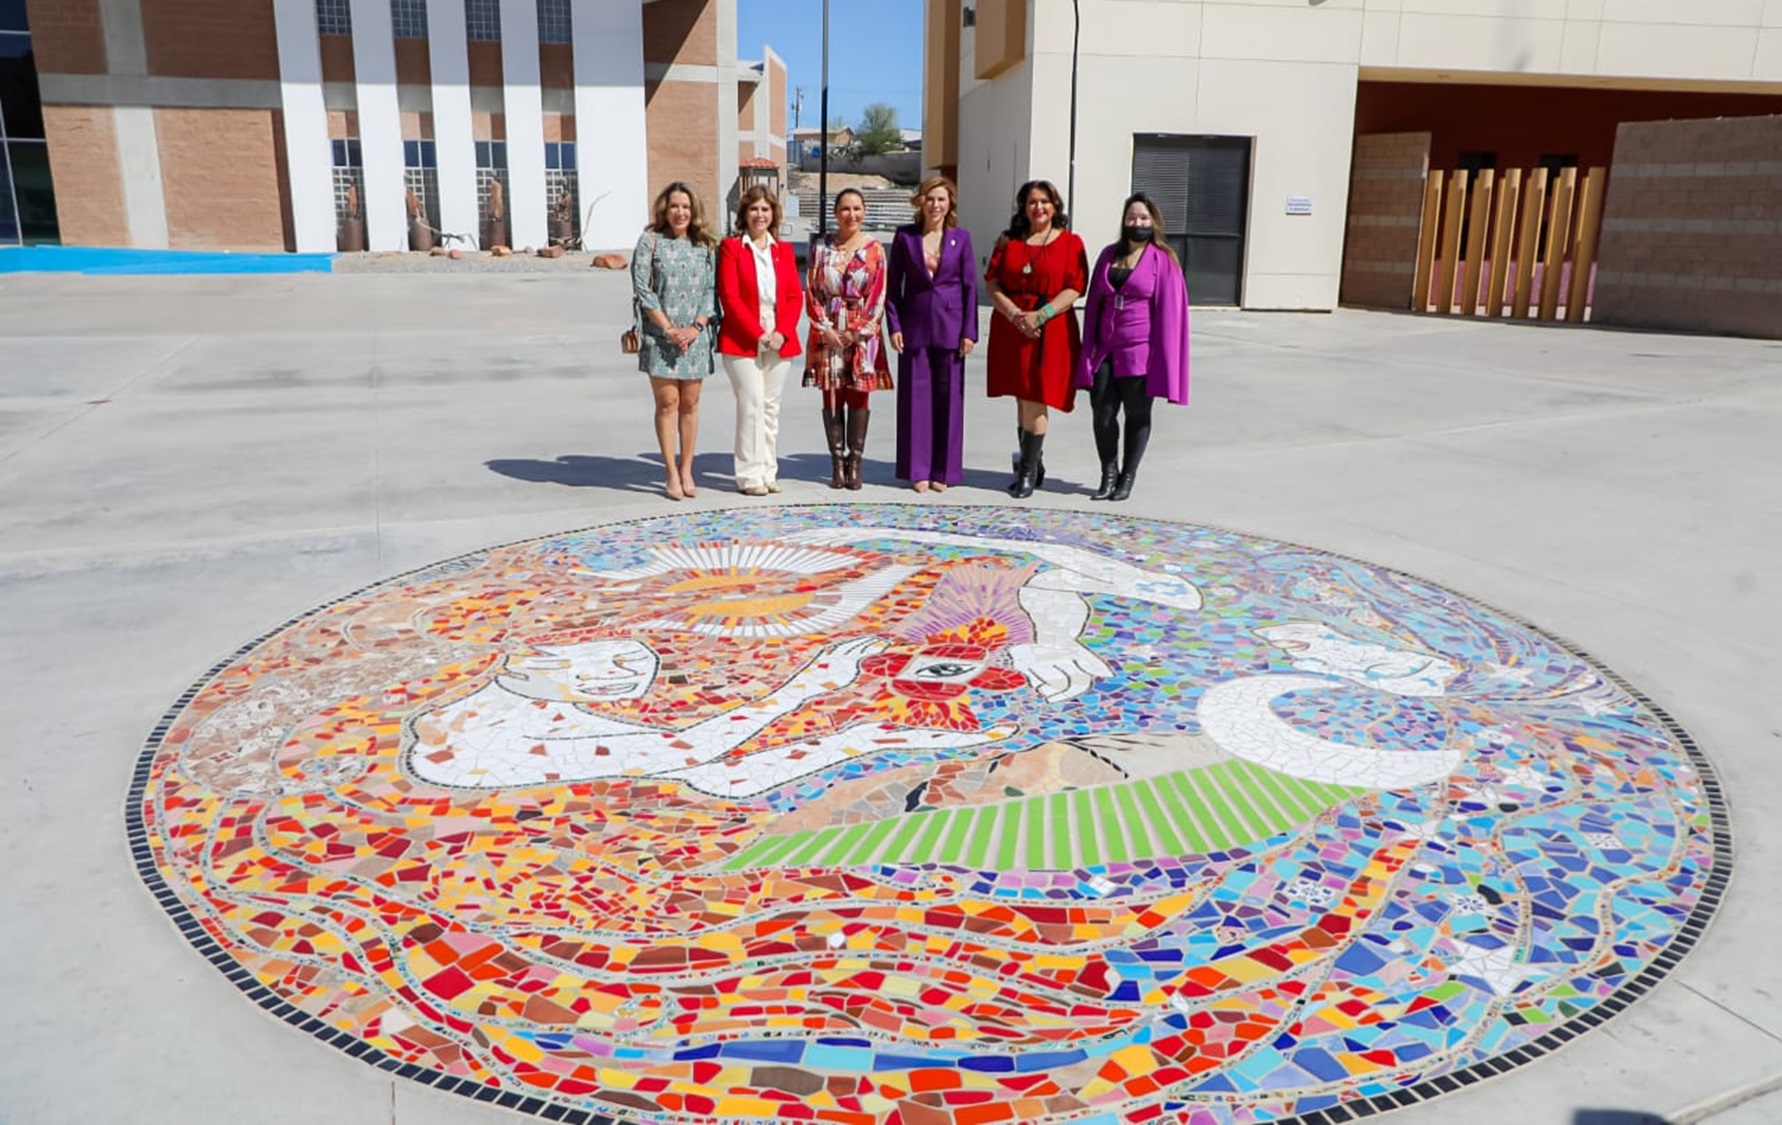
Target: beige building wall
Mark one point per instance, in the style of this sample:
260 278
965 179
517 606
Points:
1286 75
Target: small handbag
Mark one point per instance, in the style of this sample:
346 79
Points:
630 340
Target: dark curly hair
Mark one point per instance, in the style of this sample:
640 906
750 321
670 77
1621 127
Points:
1019 227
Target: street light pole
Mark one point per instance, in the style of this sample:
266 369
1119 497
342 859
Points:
823 157
1076 15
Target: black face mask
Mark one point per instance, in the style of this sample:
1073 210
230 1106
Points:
1137 235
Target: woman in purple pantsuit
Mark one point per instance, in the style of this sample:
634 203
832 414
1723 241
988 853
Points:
932 310
1135 341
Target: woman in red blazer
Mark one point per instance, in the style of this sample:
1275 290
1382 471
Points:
761 298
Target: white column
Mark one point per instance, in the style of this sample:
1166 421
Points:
729 141
611 141
525 123
308 155
454 138
139 147
380 126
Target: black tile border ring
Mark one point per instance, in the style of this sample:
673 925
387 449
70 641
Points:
1688 932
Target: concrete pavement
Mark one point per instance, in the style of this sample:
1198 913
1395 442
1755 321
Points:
185 463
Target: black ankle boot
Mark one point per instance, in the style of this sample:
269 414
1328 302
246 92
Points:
1026 478
1123 489
1110 473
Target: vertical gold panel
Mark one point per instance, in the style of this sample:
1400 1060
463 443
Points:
1559 237
1426 241
1590 229
1503 242
1477 239
1530 243
1451 241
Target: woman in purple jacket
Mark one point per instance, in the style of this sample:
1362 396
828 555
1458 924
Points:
1135 341
932 311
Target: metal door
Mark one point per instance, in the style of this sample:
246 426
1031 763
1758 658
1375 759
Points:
1202 185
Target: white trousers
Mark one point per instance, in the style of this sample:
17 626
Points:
757 381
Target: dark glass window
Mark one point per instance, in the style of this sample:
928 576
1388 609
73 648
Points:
21 110
555 25
27 193
409 18
334 17
482 20
32 188
419 154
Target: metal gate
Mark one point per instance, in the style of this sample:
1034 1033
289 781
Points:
1202 185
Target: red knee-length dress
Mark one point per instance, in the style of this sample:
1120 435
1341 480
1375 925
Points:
1037 370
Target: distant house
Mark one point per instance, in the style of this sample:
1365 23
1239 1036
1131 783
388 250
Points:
809 137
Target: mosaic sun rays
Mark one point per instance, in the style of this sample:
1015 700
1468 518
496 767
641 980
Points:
931 816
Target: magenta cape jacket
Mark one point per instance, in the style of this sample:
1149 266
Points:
1155 343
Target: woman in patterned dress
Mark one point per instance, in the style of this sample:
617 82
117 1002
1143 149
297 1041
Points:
845 297
1036 273
672 278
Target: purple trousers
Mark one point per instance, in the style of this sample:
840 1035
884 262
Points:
930 415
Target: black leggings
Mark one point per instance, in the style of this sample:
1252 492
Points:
1109 395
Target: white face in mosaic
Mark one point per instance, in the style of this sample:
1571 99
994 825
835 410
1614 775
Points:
1315 648
595 672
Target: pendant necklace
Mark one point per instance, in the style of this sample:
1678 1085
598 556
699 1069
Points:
1027 267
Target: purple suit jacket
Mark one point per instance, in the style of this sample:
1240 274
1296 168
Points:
1161 353
938 311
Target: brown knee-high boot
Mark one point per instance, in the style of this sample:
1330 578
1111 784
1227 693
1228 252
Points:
858 417
836 431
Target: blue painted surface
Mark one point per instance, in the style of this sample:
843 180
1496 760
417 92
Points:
102 260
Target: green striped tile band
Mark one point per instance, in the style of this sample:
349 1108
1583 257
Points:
1200 810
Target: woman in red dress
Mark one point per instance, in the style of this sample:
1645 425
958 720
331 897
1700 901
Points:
1036 273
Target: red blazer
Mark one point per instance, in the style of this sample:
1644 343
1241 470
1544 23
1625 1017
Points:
739 330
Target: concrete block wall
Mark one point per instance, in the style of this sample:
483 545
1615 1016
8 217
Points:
1692 228
1385 212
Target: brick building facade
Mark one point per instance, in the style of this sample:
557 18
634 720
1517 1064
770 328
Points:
306 124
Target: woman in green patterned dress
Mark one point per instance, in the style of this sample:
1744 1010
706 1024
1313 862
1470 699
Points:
672 277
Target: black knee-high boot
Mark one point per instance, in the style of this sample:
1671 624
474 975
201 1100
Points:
1138 436
1026 478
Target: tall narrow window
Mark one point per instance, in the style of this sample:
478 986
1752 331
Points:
482 20
408 18
554 22
334 17
27 194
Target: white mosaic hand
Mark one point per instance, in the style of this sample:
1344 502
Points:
835 666
1058 672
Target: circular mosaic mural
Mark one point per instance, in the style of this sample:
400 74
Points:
919 814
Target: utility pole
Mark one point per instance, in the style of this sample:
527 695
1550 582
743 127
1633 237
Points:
797 106
823 159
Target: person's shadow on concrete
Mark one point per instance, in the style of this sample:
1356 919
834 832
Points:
643 473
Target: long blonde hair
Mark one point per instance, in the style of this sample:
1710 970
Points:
696 232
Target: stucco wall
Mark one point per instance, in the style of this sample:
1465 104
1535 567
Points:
1286 74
